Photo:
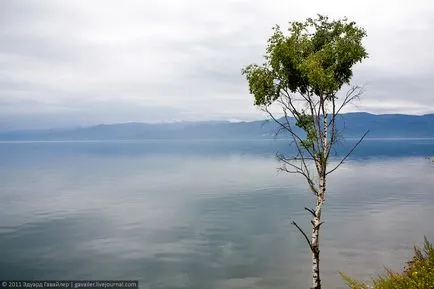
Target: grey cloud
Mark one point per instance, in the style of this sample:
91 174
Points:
79 63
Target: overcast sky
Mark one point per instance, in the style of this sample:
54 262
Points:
66 63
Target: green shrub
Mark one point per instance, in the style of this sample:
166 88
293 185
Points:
419 273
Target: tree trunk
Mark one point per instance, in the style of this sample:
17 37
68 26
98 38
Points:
316 223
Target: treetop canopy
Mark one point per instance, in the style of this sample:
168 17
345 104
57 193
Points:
315 58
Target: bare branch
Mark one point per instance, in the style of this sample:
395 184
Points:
284 169
282 159
303 169
317 226
296 114
310 211
304 234
333 128
299 169
312 107
288 128
348 154
353 93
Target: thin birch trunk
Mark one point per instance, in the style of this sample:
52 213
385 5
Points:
316 221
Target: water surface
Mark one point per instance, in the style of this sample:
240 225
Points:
205 214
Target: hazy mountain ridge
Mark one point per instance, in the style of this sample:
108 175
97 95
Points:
350 124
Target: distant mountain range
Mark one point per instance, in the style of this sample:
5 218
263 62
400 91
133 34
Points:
350 124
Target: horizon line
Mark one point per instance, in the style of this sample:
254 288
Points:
232 120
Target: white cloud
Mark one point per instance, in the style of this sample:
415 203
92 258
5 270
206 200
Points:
99 60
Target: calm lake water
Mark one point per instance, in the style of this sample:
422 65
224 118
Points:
205 214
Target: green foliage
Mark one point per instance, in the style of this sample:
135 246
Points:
306 122
419 273
314 59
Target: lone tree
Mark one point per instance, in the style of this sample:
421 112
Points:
304 74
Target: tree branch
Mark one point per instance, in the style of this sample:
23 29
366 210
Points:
317 226
298 170
296 115
303 168
353 93
304 234
288 128
310 211
333 127
348 154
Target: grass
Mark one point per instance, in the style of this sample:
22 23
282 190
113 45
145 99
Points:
418 274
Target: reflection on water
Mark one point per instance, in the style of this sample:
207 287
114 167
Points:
204 214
